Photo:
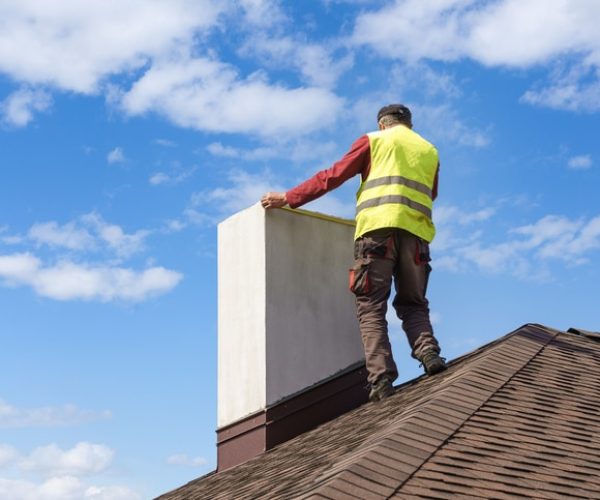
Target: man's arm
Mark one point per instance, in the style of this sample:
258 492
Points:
356 160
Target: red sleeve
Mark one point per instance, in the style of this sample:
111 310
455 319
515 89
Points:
434 191
356 161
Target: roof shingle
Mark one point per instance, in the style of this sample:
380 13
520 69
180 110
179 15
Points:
518 418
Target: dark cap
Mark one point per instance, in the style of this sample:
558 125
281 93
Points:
398 110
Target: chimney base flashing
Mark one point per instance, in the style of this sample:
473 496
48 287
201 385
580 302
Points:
286 419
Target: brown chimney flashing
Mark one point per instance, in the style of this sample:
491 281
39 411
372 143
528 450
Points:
286 419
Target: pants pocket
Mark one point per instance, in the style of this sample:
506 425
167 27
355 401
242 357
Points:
359 282
422 252
378 246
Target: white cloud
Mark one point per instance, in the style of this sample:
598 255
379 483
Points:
548 228
329 3
218 149
83 459
319 66
331 205
437 117
435 318
159 178
199 218
244 190
527 252
18 268
13 239
575 89
56 488
420 75
448 263
61 472
209 95
262 13
451 214
110 493
8 454
122 243
207 208
521 34
62 488
441 123
83 43
299 151
165 143
163 178
18 108
183 459
88 232
435 114
499 258
562 238
569 95
496 33
316 63
115 156
68 281
396 29
73 281
505 32
450 224
48 416
174 226
66 236
82 46
581 162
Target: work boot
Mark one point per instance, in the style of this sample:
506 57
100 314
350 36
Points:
381 389
433 363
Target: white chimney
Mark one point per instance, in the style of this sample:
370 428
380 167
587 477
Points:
290 355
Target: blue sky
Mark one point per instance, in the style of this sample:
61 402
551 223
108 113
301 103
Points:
128 130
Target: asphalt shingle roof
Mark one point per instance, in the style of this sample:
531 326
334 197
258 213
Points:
518 418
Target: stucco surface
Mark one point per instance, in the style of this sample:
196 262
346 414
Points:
312 330
286 317
241 315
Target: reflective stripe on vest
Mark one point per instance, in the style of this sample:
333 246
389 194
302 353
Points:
398 179
394 198
399 188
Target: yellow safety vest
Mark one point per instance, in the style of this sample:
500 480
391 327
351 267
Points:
398 189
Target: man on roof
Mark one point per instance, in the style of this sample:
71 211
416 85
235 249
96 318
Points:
399 178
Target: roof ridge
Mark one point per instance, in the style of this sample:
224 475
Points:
585 333
487 374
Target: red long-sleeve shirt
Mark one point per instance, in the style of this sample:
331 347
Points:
356 161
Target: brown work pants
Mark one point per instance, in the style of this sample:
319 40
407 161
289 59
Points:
378 256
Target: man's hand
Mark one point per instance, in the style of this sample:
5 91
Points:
273 200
